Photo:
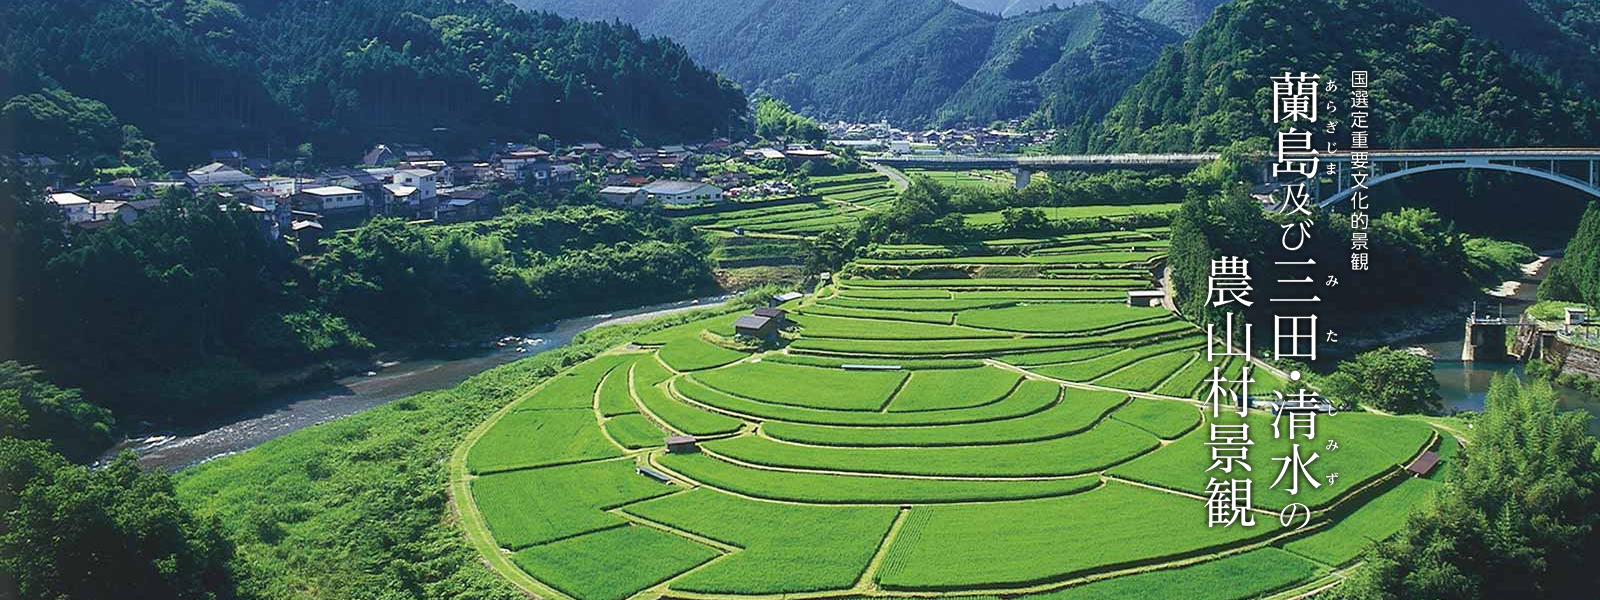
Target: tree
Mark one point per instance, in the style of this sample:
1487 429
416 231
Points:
831 249
1518 518
1024 221
1386 379
1577 277
775 120
68 532
34 409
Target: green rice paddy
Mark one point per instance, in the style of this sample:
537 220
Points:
1017 437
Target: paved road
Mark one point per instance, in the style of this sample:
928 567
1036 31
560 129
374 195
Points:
894 175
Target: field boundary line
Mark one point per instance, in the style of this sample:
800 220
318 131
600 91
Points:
473 525
870 573
1098 419
653 463
720 546
729 459
600 416
1085 386
1175 374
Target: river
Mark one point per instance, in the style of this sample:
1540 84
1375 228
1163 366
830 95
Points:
291 411
1464 385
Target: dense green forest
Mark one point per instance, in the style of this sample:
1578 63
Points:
231 305
1058 67
267 76
911 62
1517 518
1577 278
1184 16
68 531
1558 36
1433 83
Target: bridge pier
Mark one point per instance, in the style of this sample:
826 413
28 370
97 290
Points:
1023 176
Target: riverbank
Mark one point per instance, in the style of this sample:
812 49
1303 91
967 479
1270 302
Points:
364 386
338 506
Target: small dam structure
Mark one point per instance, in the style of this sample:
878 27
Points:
1485 339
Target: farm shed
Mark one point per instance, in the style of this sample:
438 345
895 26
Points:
1577 316
681 444
776 314
787 297
653 474
1423 464
1145 298
765 328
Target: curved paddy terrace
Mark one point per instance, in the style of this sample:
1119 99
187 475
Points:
1022 435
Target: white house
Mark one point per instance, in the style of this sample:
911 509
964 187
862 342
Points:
401 195
682 192
217 174
76 208
333 198
426 182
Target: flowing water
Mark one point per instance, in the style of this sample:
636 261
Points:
1464 385
292 411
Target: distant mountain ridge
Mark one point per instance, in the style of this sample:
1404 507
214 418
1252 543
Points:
1559 36
1185 16
255 74
907 61
1434 83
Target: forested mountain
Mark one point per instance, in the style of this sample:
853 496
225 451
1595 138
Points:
1433 83
1183 15
1558 36
254 74
909 61
1060 65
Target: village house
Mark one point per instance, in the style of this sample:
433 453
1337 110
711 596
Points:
74 207
622 195
307 236
368 184
217 175
515 160
331 199
126 188
760 154
669 192
564 174
129 212
425 181
466 205
383 154
401 199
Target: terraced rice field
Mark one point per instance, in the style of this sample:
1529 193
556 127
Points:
1080 212
841 199
980 178
1017 436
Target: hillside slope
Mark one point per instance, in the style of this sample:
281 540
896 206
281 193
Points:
1059 65
256 74
1185 16
1434 84
1558 36
908 61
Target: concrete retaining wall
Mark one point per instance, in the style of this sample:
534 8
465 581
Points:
1573 360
